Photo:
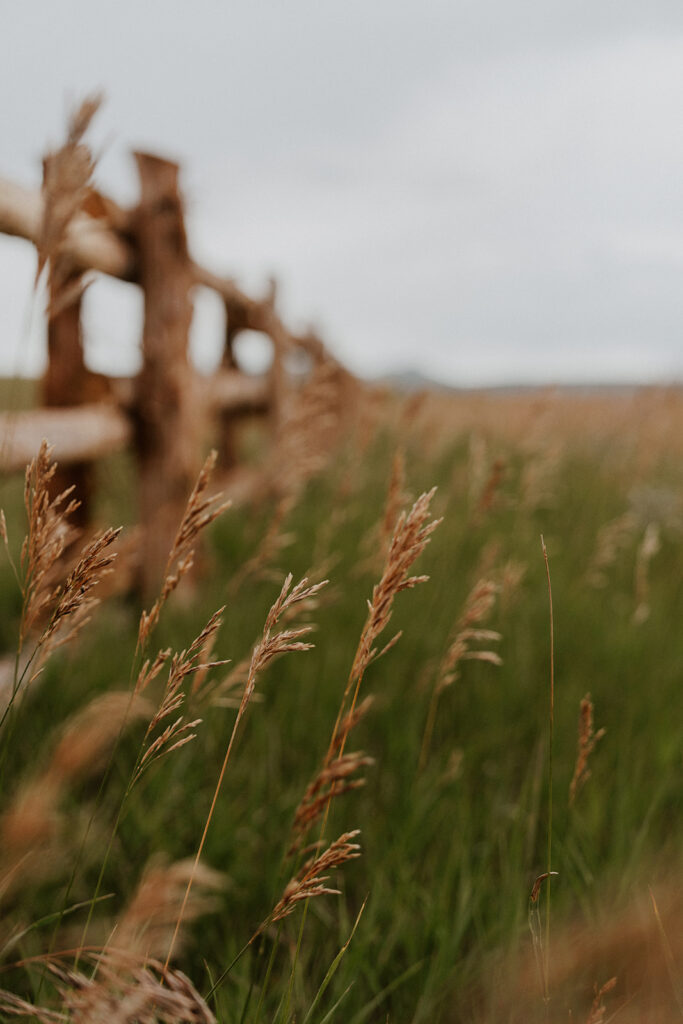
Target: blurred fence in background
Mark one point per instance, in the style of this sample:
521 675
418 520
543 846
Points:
168 413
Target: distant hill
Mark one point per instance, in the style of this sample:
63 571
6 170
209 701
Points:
410 381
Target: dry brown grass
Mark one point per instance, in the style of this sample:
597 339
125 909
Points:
201 510
477 609
625 946
334 779
121 988
272 644
147 923
170 896
310 880
636 423
34 835
314 419
588 739
184 664
66 184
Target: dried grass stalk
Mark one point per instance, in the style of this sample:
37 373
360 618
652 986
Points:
61 609
588 740
67 175
310 881
598 1008
31 827
270 646
200 512
150 670
334 779
15 1006
236 678
90 735
411 536
538 479
308 432
30 821
296 606
92 566
123 988
351 719
490 493
396 499
179 732
146 925
48 534
649 546
612 538
478 606
378 539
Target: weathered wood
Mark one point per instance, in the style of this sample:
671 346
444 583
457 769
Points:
277 377
84 433
148 246
102 244
90 242
167 446
224 389
236 320
236 393
64 380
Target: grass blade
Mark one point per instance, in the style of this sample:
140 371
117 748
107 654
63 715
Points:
332 969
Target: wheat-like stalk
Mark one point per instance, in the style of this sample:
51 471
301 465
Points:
93 565
311 879
411 536
178 732
612 538
596 1014
66 183
649 546
147 922
200 511
307 432
31 823
478 607
271 644
47 537
587 742
122 988
334 778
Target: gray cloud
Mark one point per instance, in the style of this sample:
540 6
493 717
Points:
487 191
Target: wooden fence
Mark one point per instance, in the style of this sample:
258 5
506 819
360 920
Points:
160 412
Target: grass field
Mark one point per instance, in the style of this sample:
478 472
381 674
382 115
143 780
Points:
454 813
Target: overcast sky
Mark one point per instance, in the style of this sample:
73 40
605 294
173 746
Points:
487 191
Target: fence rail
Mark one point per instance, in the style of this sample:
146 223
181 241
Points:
78 434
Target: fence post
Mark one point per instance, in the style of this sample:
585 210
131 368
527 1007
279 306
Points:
166 421
236 320
277 378
65 379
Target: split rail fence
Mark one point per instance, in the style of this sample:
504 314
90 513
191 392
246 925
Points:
160 411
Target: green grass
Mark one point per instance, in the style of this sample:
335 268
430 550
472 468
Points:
449 856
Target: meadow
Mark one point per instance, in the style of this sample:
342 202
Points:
446 772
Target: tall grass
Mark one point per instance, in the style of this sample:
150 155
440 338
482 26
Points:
453 814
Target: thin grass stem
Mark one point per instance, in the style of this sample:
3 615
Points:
551 723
